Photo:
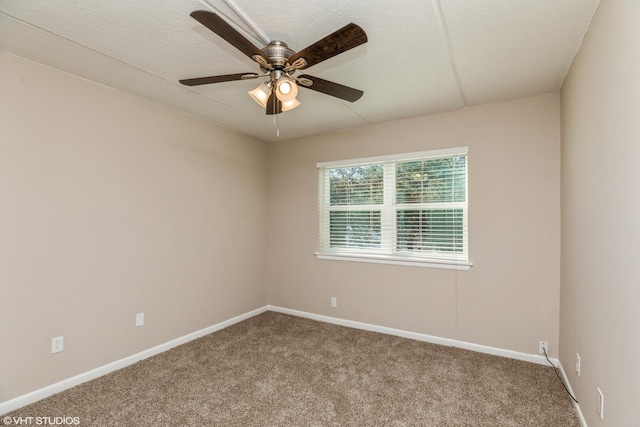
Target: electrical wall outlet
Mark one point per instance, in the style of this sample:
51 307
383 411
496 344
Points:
600 407
543 347
578 364
57 344
139 319
334 302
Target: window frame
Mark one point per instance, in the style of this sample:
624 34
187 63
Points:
387 253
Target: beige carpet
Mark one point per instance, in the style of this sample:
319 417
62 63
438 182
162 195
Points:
280 370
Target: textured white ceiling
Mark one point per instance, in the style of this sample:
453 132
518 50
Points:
422 57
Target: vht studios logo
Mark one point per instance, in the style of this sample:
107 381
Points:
42 421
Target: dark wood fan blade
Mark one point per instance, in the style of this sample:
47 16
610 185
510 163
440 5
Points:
335 43
219 26
274 105
218 79
330 88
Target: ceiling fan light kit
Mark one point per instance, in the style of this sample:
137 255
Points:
279 64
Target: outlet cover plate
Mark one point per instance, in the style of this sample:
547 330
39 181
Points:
543 346
57 344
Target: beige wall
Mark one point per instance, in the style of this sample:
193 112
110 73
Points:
109 206
600 299
510 297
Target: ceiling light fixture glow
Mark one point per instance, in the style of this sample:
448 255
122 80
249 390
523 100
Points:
286 89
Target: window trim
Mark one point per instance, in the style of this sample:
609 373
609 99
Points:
345 254
395 260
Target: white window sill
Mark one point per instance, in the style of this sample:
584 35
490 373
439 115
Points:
395 260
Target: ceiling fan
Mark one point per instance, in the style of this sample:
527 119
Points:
279 64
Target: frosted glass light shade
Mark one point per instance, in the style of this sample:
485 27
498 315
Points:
290 105
261 94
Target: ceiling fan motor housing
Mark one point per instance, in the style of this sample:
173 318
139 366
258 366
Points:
278 53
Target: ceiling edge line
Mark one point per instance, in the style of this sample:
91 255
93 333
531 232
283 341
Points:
569 62
356 113
247 21
444 32
243 17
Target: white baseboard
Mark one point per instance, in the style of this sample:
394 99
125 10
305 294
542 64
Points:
49 390
534 358
565 379
34 396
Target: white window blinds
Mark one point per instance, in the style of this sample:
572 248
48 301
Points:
411 206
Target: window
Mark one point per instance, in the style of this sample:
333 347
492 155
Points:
404 209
